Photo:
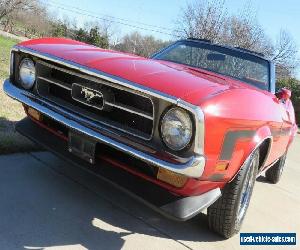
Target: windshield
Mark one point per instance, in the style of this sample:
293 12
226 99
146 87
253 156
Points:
240 65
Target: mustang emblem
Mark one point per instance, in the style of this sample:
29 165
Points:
91 95
88 96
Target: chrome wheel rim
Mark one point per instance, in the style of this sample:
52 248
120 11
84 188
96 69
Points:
282 161
280 170
246 192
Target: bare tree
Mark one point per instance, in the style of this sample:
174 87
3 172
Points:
202 19
35 21
243 31
131 43
210 20
138 44
285 48
285 55
7 7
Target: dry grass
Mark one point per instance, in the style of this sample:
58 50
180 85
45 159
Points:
10 110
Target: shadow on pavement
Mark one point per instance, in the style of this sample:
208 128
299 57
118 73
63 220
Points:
11 141
63 205
6 125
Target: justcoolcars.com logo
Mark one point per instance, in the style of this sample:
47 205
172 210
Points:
267 238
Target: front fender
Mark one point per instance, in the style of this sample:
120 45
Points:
259 137
237 146
261 134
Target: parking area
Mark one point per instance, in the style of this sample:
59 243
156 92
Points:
48 204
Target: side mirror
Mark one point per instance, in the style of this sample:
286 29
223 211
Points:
284 94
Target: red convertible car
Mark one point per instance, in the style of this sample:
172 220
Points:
188 129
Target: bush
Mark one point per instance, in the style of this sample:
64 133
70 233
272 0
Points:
294 85
92 36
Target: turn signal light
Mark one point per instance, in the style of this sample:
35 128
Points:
222 165
171 178
34 114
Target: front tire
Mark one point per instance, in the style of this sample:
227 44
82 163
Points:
274 173
226 215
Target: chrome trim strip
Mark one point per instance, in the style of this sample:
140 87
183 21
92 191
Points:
125 108
196 111
192 168
54 82
119 106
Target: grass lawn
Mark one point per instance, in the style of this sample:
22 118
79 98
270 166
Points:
10 110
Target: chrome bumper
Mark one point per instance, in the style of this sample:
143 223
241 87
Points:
192 168
152 195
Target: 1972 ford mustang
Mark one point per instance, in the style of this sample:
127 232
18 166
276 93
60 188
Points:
188 129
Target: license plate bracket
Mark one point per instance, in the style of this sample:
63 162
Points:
82 146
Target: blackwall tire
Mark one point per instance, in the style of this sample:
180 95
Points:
226 215
274 173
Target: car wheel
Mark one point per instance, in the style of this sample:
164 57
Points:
226 215
274 173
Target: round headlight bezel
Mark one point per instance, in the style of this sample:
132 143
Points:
186 145
27 85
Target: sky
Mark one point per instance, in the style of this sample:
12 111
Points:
272 15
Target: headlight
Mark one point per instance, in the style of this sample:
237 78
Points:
27 73
176 129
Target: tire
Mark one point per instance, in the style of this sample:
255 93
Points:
274 173
226 215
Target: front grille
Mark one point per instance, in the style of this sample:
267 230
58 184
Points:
96 99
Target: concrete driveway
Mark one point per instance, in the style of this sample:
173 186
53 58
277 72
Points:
48 204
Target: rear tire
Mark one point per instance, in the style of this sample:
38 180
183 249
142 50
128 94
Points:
226 215
274 173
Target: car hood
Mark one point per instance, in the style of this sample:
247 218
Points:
169 78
